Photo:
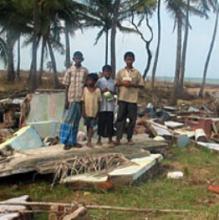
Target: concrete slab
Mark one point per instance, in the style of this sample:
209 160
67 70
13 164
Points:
25 138
139 167
46 128
46 107
127 174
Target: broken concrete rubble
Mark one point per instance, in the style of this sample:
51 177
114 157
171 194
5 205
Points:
167 124
127 174
185 123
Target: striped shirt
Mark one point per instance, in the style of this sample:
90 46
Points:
75 79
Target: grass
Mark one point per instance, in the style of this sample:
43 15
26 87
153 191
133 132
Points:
200 167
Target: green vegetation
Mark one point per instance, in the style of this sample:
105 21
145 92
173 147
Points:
200 167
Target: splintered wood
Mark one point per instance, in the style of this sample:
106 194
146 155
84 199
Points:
90 164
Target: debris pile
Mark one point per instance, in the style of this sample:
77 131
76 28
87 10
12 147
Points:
181 124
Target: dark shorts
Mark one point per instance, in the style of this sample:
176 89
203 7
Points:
105 124
90 122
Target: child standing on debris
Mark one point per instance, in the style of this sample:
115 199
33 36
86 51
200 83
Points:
91 105
105 120
128 80
74 80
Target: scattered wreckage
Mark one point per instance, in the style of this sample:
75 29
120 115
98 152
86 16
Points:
35 148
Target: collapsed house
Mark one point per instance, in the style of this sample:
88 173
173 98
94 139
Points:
35 148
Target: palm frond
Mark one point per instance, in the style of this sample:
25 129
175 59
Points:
99 35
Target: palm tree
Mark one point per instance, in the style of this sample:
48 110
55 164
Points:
33 74
108 15
197 8
185 42
176 8
51 15
42 56
13 27
158 44
98 13
215 6
69 12
10 26
179 9
18 57
115 18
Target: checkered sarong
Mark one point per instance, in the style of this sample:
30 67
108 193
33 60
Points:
69 128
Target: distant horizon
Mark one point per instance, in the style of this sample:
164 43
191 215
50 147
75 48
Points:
164 77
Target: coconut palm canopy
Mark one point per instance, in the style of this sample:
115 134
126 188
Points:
63 17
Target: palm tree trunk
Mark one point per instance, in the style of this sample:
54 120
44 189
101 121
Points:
33 72
42 60
52 56
209 54
113 36
10 45
106 46
67 47
158 44
184 50
18 58
147 46
175 93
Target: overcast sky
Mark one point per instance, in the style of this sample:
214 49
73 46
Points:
199 41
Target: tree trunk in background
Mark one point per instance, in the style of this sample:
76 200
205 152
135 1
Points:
18 58
33 71
147 46
209 53
175 92
67 47
106 46
52 56
158 45
42 61
113 36
184 50
10 45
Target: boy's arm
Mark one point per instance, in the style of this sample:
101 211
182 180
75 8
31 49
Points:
120 82
66 83
99 103
139 84
66 97
83 106
83 109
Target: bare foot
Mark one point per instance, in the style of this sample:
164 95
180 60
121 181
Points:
67 147
117 142
130 142
99 143
90 145
77 145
